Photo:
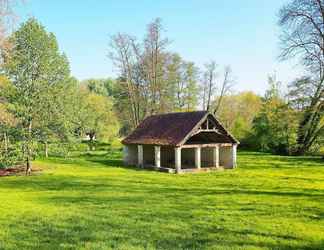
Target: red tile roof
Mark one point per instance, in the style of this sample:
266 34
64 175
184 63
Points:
169 129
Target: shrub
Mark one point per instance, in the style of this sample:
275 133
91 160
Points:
12 156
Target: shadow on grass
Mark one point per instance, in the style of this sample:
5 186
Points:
135 184
118 222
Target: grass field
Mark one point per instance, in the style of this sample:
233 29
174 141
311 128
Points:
92 202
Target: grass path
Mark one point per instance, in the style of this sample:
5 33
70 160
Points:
91 202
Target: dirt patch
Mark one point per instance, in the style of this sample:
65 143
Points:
17 170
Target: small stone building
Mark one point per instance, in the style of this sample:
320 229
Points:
181 142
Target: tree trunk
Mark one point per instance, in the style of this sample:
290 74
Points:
28 166
46 149
307 132
91 144
29 149
5 142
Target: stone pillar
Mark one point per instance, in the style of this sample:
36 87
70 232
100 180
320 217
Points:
177 158
234 152
140 155
198 157
157 156
216 156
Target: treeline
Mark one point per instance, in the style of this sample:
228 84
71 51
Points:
41 104
43 109
153 79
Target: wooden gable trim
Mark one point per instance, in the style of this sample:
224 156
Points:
193 130
198 126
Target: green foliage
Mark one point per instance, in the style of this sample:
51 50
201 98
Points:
59 149
39 74
151 80
104 87
181 81
274 128
97 116
93 202
11 156
237 113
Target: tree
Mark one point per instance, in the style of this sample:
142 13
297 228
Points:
210 86
59 124
127 57
97 117
225 87
191 90
7 17
7 120
302 23
237 113
154 58
38 71
103 87
181 81
274 127
142 72
176 84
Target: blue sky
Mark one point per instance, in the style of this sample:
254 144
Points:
240 33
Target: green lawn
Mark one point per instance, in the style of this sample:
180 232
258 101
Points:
92 202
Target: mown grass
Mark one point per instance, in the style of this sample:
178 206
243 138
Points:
92 202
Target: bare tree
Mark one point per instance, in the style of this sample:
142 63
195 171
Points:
209 84
225 88
302 23
154 58
215 88
124 55
142 70
7 19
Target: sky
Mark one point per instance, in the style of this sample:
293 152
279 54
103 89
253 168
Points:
241 33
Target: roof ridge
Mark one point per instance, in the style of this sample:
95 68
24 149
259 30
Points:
180 112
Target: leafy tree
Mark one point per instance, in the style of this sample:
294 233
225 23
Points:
97 117
7 16
275 125
103 87
9 149
182 78
38 72
151 79
191 90
302 23
237 113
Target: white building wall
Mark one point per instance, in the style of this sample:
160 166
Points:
226 157
130 154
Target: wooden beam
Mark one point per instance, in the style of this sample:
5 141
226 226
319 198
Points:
208 145
213 130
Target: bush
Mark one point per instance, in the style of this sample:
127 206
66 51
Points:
11 157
